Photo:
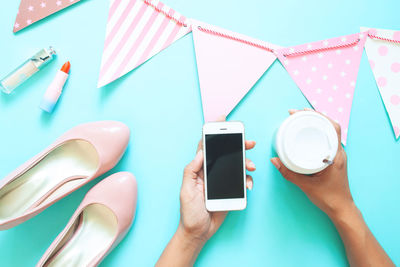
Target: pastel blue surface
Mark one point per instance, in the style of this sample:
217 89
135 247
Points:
160 102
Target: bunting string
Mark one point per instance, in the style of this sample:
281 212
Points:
312 51
160 10
383 39
227 36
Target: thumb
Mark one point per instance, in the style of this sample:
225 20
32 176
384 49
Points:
286 173
197 162
194 166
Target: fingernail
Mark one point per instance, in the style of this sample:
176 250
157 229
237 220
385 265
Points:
251 186
276 163
252 165
221 118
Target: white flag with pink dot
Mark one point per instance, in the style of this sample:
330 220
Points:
383 51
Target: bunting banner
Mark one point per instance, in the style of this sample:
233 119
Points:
31 11
137 30
383 51
228 65
326 73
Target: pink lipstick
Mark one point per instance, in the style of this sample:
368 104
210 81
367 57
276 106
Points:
53 92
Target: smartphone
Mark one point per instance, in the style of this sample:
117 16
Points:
224 166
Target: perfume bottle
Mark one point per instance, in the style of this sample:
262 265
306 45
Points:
27 69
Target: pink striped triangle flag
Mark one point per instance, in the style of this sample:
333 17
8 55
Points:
31 11
228 64
326 73
136 31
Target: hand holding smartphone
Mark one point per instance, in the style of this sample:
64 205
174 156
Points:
224 166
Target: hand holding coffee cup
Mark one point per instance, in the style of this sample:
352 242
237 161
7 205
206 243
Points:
327 188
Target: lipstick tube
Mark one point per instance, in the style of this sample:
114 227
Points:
27 69
54 90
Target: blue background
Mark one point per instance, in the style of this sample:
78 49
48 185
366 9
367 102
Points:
160 102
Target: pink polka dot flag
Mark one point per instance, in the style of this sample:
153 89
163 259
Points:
31 11
326 73
229 64
384 58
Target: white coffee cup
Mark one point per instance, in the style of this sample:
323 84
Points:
306 142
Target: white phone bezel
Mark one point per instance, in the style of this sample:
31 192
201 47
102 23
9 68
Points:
229 203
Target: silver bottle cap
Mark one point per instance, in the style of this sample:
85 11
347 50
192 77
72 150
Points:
44 56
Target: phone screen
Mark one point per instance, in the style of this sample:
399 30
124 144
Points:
224 159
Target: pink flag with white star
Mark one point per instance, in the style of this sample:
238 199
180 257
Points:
326 72
31 11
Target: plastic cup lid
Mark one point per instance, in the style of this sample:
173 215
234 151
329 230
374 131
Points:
307 139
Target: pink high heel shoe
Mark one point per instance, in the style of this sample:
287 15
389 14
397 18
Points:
100 222
77 157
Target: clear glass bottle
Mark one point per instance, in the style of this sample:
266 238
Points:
27 69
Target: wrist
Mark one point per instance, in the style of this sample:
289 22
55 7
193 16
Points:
344 212
188 242
181 251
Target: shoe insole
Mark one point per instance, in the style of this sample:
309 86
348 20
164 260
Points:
92 236
74 158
